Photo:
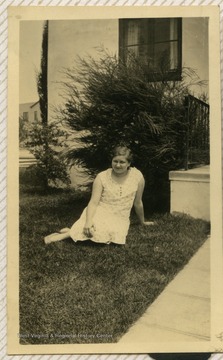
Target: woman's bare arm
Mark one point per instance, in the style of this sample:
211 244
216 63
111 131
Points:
92 206
138 204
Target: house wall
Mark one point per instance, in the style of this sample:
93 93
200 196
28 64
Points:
69 39
190 192
28 107
195 49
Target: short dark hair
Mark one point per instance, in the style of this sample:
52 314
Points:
122 150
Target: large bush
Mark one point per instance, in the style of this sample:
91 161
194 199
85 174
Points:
108 102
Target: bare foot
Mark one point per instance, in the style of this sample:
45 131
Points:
54 237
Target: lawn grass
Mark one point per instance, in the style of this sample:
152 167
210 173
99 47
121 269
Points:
92 293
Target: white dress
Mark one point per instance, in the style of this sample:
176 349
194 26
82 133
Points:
111 219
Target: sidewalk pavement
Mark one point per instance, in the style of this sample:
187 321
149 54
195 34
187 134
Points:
182 311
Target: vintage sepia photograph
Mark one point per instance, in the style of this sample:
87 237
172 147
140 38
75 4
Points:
115 222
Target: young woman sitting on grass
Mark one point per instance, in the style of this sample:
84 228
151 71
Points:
115 191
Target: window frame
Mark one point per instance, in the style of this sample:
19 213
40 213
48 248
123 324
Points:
35 115
25 115
170 75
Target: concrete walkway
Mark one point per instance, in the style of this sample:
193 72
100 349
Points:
182 311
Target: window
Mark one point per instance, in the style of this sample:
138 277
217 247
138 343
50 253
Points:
35 116
26 116
157 42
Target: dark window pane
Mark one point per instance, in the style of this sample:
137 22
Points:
161 54
166 54
26 116
174 30
133 50
146 54
132 33
146 31
162 30
156 42
165 30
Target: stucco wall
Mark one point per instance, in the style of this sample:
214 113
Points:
190 192
30 108
195 48
69 39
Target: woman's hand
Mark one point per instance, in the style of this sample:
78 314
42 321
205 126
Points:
89 230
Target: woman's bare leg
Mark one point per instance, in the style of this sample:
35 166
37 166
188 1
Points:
64 230
56 237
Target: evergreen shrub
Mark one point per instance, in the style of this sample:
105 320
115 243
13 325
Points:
108 102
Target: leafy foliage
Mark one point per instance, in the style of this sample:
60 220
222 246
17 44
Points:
23 130
108 102
45 143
